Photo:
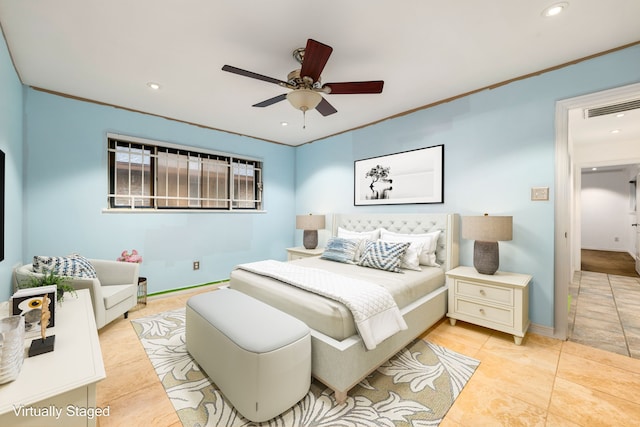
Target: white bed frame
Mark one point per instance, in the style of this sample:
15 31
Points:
341 365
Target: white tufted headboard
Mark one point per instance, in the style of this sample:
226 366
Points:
447 253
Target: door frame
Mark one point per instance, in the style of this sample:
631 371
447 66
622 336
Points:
567 183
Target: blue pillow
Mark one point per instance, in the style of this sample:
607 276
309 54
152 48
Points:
383 255
340 250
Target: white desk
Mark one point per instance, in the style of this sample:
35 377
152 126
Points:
64 379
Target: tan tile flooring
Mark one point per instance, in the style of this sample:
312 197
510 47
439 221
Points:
605 312
544 382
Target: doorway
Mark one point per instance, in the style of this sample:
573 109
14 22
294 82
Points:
570 159
605 293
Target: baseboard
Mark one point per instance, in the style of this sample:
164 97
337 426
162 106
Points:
173 292
547 331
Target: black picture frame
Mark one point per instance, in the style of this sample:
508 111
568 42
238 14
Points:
20 306
408 177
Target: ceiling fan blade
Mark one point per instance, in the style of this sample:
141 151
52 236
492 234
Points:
316 55
271 101
253 75
374 86
325 108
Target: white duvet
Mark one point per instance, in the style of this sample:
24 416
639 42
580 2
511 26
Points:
375 313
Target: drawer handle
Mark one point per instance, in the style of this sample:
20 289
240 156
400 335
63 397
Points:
482 311
482 292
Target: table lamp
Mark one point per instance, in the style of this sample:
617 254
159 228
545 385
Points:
487 231
310 224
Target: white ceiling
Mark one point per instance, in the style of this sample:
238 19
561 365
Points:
425 51
609 128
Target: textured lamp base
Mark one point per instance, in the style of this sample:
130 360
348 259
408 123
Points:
486 257
310 239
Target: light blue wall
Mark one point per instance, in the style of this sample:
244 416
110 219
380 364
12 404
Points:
11 143
66 188
498 144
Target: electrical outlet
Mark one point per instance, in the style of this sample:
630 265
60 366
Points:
196 265
539 193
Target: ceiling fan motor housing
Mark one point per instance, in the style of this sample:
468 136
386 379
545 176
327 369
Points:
298 82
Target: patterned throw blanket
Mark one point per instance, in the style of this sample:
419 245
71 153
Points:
376 314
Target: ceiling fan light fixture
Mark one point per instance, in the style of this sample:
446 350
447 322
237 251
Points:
304 99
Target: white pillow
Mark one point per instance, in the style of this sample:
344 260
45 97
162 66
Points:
429 244
368 235
361 236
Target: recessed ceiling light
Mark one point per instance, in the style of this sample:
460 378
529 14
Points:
284 123
620 115
615 131
555 9
593 169
153 85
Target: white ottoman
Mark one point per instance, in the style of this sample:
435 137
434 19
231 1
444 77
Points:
258 356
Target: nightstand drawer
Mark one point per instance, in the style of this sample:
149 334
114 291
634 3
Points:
503 316
485 292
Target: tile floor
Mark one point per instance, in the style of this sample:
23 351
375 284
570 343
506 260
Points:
605 312
543 382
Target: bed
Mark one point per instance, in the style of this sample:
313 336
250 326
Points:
339 358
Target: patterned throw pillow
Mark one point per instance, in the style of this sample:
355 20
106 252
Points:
383 255
341 250
73 265
429 241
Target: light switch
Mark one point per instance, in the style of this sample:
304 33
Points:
539 193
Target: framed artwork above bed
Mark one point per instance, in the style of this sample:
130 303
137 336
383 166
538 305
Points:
409 177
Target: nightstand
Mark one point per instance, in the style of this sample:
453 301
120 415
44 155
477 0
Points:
499 301
302 252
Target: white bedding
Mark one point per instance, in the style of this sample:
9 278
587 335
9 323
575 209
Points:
374 310
338 357
325 315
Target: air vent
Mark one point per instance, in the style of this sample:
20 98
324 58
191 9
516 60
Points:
613 108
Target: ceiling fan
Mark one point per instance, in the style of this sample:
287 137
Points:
306 84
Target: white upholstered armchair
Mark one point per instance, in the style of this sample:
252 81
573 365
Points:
113 293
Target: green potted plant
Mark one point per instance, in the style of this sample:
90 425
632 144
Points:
51 278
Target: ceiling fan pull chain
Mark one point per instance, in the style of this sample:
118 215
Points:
304 119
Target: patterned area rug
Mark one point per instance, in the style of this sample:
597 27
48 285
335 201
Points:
415 388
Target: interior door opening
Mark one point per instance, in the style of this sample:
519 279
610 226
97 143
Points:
569 163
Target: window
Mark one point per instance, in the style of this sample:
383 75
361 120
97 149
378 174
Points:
143 174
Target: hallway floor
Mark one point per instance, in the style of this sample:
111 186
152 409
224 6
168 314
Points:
604 312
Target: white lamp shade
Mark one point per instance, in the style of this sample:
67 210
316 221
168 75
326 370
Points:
487 228
310 222
304 99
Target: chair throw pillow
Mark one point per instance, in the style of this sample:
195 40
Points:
73 265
